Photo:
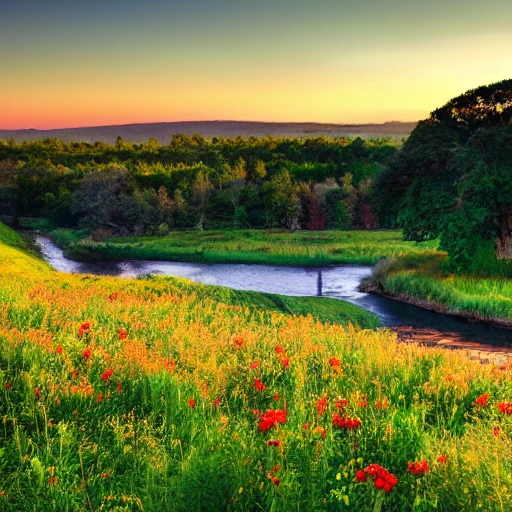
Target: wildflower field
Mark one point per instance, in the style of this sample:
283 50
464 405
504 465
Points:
146 395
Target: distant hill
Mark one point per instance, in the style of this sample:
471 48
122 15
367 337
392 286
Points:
163 131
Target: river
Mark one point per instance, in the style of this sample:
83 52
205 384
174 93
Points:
337 282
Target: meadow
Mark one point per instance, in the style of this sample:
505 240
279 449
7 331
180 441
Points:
269 247
424 280
151 394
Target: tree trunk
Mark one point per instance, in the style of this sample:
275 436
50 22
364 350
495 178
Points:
504 247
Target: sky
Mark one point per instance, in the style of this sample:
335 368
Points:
89 63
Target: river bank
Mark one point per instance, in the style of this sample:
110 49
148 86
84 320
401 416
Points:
423 282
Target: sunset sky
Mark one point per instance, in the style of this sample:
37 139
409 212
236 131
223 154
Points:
87 63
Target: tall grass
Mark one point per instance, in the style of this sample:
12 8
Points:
423 279
270 247
154 405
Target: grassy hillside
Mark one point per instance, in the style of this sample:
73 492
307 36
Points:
150 395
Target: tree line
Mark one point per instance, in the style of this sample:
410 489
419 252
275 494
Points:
122 189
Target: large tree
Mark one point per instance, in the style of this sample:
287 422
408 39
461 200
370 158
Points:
453 178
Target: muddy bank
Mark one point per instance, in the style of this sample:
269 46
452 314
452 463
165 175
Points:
487 354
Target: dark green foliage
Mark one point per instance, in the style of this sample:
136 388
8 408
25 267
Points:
453 178
190 182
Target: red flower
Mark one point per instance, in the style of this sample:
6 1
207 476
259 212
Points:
58 350
170 365
333 361
217 401
37 393
258 385
496 431
112 297
382 478
87 353
481 401
347 423
105 376
276 481
99 398
191 403
279 349
122 334
270 418
418 468
84 328
277 396
8 386
441 459
274 442
321 405
119 388
254 365
341 403
505 407
305 426
52 480
285 361
361 476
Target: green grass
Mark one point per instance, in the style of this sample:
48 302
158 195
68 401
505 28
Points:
422 279
115 430
270 247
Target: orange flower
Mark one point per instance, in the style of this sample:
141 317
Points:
170 365
254 365
321 405
58 350
321 431
333 361
238 340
